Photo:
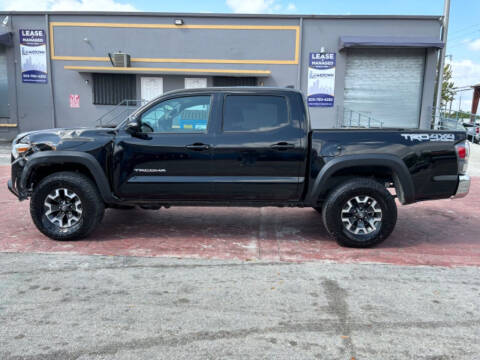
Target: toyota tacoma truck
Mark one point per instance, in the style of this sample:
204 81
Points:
235 147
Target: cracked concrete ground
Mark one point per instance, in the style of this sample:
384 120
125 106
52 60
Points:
54 306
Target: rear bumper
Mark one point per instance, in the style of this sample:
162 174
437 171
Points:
463 186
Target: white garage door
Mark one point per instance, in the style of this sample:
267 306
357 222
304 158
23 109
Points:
385 84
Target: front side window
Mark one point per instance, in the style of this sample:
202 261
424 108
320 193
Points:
254 113
183 114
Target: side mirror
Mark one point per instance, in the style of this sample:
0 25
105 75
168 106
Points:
133 126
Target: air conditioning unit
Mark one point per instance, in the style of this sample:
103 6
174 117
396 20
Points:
120 59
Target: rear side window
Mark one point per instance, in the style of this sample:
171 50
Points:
254 113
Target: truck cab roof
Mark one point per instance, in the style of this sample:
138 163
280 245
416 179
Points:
244 89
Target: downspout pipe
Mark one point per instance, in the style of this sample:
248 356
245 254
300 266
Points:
441 62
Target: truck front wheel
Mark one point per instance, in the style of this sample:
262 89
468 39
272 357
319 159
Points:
66 206
359 213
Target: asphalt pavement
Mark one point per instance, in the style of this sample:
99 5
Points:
96 307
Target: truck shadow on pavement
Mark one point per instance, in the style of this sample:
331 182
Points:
230 224
417 226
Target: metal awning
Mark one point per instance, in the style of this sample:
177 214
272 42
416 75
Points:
171 71
6 38
390 41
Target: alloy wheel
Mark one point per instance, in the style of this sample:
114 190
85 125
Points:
63 208
361 215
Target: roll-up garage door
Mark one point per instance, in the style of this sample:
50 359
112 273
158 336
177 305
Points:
384 85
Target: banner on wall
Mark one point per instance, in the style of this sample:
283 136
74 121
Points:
321 79
33 56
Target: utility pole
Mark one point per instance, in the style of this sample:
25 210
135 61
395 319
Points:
438 100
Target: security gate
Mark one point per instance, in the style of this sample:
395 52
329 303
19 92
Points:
385 84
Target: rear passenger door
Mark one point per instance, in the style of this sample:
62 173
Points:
258 150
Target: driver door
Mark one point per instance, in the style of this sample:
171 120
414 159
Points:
171 158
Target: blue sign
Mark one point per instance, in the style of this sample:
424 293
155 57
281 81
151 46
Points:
33 56
321 79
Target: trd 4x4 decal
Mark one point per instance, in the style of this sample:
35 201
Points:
429 137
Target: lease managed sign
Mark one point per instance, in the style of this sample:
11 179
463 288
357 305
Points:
33 56
321 79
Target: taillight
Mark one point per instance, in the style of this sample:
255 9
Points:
463 152
477 130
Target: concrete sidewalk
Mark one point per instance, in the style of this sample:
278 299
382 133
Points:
95 307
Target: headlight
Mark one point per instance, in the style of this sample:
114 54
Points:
20 145
19 149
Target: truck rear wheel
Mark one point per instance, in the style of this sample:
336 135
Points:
359 213
66 206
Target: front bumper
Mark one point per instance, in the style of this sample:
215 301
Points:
463 186
12 188
14 183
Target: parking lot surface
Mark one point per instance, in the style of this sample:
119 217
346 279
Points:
95 307
442 232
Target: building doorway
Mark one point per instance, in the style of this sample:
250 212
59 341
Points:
151 87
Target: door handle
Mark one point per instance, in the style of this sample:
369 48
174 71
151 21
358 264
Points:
198 147
282 146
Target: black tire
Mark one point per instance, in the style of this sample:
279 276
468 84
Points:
365 189
318 208
91 206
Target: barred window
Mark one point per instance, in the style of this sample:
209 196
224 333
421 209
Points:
112 89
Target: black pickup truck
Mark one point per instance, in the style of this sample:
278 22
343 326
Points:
235 147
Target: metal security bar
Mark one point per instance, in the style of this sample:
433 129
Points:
457 120
451 120
110 89
354 119
120 112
